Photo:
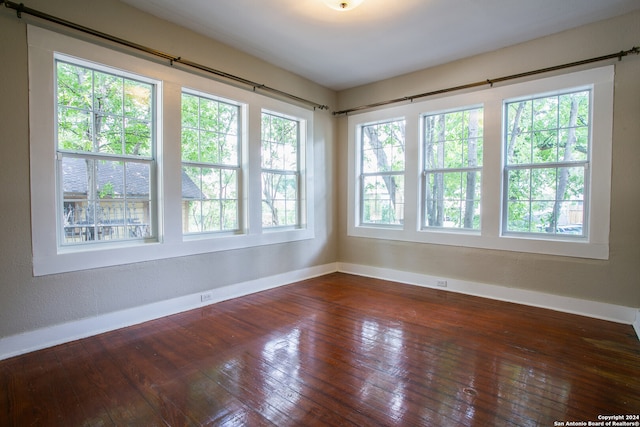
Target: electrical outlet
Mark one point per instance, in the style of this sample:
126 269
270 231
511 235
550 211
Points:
441 283
206 297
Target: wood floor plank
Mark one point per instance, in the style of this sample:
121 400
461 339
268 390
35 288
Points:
336 350
125 404
80 378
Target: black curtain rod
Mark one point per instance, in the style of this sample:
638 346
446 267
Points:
619 55
20 8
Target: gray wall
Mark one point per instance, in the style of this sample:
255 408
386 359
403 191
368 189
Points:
616 280
27 302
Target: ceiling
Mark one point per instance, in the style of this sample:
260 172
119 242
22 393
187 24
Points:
380 38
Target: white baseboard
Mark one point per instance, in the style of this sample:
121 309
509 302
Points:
58 334
598 310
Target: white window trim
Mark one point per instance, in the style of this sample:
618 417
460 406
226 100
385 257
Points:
302 210
238 167
595 246
50 258
377 173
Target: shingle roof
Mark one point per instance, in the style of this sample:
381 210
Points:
110 175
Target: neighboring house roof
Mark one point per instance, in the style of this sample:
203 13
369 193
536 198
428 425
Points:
110 178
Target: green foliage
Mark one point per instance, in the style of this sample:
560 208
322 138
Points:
210 131
103 113
100 113
106 191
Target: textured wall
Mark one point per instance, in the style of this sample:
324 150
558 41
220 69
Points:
616 280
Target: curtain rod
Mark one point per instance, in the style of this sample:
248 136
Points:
634 50
21 8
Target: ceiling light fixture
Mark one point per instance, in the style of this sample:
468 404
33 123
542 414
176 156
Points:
342 5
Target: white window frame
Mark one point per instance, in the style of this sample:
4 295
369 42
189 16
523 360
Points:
50 258
363 175
426 171
585 164
96 156
300 187
595 246
237 168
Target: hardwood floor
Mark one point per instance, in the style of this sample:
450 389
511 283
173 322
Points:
334 350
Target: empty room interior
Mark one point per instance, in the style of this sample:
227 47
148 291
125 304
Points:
315 212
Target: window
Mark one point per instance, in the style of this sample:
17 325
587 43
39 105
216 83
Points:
105 145
211 164
452 156
280 171
522 167
382 173
132 160
546 149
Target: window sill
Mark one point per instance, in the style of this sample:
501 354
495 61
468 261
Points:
87 257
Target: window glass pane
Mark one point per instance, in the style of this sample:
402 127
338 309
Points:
558 132
279 199
208 114
138 138
210 200
210 178
75 85
280 175
75 129
382 165
209 131
383 199
137 100
453 200
209 152
190 116
190 145
105 200
103 197
103 113
547 199
279 143
545 147
453 151
383 147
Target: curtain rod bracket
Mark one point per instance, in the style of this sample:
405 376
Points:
19 10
